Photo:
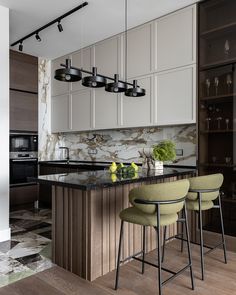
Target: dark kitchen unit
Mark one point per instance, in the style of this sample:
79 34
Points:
23 129
217 104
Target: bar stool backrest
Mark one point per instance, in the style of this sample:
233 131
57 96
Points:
212 181
167 191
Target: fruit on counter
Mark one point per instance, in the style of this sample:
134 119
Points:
113 177
133 165
113 167
120 166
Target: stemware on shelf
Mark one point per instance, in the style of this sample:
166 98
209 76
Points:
229 82
226 48
227 123
216 83
208 84
208 123
219 119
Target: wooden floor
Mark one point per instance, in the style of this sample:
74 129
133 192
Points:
220 278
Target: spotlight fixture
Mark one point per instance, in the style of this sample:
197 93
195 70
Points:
116 86
37 37
136 91
68 74
60 27
21 46
54 21
94 81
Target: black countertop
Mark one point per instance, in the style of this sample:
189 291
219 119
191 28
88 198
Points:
90 180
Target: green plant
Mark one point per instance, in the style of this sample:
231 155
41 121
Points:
164 151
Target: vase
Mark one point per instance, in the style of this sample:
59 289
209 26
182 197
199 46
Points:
158 165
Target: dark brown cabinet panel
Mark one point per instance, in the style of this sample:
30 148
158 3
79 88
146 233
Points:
23 111
21 195
23 72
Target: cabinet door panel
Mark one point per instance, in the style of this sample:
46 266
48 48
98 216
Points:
139 51
23 72
176 39
23 111
176 96
81 110
58 87
60 113
107 56
137 110
81 59
106 109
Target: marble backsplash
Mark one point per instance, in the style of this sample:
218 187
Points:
108 145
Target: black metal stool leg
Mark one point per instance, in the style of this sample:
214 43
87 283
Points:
158 230
222 230
144 248
164 244
118 257
201 234
182 233
188 245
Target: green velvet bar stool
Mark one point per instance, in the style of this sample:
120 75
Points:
156 205
203 193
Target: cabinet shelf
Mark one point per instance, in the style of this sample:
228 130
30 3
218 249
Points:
212 33
218 63
214 97
223 165
217 131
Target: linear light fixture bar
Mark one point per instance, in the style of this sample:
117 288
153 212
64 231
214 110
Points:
58 19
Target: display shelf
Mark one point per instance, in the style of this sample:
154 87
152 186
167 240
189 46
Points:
221 30
217 131
223 165
217 97
218 63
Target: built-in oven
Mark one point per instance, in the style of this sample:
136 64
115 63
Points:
23 158
22 169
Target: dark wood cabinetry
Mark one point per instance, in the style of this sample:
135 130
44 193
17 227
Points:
217 103
23 72
23 111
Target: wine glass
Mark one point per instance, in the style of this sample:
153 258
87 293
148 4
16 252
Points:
208 84
227 48
227 123
208 123
219 119
229 82
216 83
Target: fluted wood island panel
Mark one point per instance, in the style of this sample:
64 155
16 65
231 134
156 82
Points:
86 220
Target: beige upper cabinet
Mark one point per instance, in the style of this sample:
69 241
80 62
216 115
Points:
81 59
137 111
60 107
175 93
139 61
106 110
107 56
175 39
80 114
58 87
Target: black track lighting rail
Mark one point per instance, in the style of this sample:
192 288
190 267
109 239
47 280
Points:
58 19
91 73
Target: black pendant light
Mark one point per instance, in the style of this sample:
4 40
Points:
94 81
68 74
116 86
135 91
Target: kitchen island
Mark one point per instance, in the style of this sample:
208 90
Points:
85 217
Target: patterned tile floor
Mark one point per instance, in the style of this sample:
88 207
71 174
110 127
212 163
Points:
29 250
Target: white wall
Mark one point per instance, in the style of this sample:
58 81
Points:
4 124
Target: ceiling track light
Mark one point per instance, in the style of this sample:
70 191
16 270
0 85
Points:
21 46
37 37
59 26
57 20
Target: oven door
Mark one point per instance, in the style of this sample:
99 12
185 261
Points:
21 169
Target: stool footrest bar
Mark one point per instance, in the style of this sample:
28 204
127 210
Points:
131 256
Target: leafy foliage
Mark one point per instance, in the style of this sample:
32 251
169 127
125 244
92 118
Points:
164 151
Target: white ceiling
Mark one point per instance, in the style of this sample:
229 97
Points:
100 19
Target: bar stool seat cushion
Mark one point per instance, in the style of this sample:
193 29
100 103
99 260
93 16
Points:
212 181
134 215
193 205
